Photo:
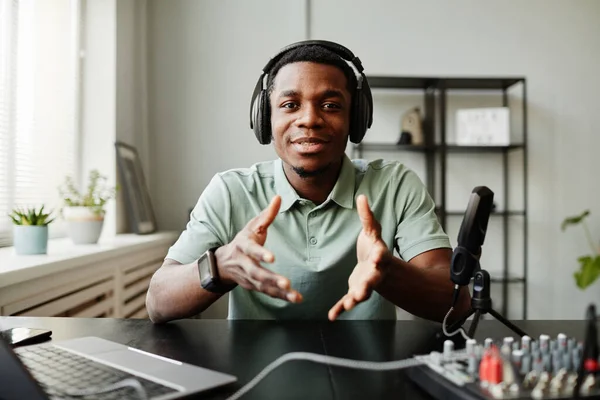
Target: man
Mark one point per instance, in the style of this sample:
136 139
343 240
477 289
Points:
310 235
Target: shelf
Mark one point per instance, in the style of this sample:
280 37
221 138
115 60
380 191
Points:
393 82
392 147
497 278
493 214
455 148
481 83
423 148
439 150
456 83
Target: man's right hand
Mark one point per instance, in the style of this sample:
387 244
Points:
239 261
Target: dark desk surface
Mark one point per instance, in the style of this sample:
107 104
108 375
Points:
244 348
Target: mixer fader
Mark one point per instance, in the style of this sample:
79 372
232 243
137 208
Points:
544 368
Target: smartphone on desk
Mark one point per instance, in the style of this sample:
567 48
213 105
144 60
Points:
24 336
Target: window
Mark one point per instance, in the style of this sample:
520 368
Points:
39 101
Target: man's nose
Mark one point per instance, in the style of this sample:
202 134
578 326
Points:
309 116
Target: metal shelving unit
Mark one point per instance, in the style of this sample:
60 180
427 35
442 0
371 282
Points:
436 149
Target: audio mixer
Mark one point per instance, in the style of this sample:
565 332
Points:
546 368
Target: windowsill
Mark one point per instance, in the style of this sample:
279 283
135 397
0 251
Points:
63 255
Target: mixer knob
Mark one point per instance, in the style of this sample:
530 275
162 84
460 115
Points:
526 344
530 379
436 358
517 358
472 365
557 361
558 382
448 348
576 359
571 343
544 343
561 339
470 346
588 383
566 361
525 364
540 390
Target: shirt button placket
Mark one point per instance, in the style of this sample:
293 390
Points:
313 228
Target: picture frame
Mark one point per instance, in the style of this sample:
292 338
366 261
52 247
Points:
137 198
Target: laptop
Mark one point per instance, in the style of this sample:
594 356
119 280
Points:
95 368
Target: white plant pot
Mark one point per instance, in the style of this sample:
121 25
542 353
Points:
83 225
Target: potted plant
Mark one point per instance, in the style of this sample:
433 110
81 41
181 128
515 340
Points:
589 265
84 211
30 230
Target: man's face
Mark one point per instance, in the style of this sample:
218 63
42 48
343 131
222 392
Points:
310 116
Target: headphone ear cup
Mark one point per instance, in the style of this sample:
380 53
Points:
262 124
358 124
265 118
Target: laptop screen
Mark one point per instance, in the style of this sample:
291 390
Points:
16 382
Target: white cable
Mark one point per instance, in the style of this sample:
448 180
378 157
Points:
133 383
459 330
336 361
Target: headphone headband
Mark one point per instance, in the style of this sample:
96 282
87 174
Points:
338 49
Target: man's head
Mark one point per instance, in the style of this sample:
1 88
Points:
311 103
310 96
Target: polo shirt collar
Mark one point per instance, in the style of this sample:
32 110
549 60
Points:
283 187
342 193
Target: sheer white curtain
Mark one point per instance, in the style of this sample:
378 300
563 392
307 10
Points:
39 104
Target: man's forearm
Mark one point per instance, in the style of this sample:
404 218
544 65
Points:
175 292
423 291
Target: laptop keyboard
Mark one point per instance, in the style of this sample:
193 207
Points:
59 371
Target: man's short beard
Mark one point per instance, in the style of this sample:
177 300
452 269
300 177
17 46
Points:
304 174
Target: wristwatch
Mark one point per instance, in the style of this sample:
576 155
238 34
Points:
209 274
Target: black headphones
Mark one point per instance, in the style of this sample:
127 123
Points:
361 111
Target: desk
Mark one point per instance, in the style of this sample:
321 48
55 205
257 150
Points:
244 348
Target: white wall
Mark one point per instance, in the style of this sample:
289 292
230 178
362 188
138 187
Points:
99 98
205 57
204 60
114 100
131 89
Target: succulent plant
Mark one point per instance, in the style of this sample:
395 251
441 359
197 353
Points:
30 216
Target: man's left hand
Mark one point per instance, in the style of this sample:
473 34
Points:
373 259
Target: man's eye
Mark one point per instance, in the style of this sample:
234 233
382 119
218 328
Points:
289 105
331 105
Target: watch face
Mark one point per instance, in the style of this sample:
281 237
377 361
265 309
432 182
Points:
212 264
204 268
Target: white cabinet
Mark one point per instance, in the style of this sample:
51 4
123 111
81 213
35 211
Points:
110 282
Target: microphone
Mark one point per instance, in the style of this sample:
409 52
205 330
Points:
465 258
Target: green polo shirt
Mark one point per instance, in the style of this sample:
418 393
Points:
314 245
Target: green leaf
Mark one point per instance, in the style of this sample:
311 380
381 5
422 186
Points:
30 216
588 272
574 220
96 194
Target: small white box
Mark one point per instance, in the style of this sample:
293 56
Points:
483 127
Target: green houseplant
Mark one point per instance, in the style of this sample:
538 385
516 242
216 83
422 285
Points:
30 230
84 210
589 265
